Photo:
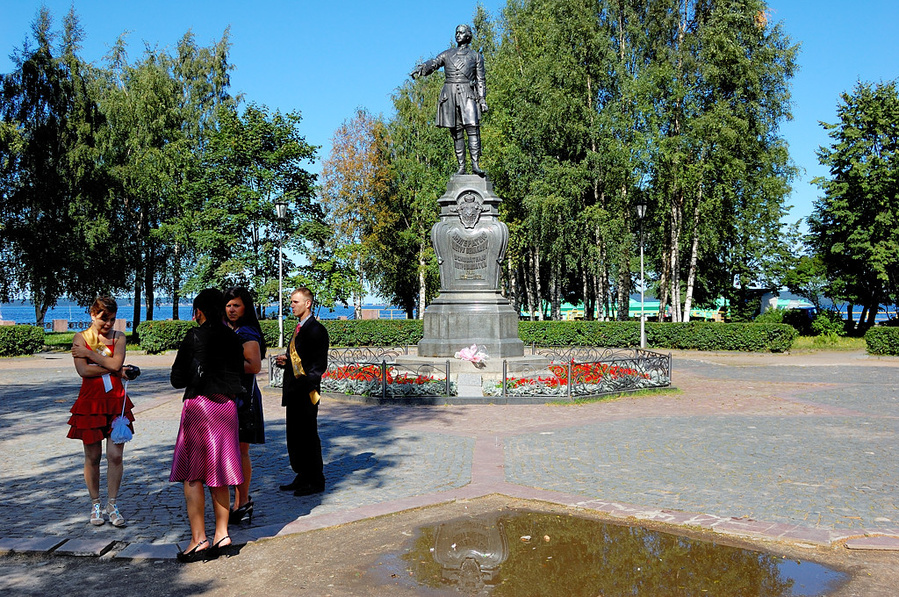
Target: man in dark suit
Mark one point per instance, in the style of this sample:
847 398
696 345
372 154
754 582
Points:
304 364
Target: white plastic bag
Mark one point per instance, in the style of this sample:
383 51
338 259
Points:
120 432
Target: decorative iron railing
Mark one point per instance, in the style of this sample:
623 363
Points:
389 380
566 373
373 371
583 372
339 357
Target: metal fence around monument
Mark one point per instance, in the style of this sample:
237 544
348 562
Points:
373 372
569 373
579 372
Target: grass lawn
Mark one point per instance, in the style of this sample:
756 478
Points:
822 343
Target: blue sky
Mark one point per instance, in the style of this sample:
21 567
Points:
325 59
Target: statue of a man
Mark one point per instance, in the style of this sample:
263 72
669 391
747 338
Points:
463 98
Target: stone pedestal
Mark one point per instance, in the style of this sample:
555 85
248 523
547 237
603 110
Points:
470 242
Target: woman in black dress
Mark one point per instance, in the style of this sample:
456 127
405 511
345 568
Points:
241 317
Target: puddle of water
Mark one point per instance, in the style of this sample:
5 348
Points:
531 553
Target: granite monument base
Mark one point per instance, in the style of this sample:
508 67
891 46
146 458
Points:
470 377
458 319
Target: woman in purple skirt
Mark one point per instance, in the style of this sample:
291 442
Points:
208 365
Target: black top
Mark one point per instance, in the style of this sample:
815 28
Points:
209 361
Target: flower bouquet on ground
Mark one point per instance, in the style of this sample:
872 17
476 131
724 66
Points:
475 354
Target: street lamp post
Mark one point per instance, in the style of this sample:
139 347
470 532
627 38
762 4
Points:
641 212
281 212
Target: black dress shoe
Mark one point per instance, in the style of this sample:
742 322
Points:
293 485
242 513
309 489
196 554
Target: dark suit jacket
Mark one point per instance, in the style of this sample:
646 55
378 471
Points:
312 345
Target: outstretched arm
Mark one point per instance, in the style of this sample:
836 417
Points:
426 68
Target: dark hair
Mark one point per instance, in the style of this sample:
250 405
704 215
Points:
249 318
211 303
104 304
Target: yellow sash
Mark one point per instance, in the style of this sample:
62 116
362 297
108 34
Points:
92 339
298 370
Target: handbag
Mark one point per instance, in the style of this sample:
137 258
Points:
246 411
120 432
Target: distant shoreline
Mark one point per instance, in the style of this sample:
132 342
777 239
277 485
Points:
23 313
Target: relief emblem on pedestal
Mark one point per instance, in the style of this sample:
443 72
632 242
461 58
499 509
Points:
469 206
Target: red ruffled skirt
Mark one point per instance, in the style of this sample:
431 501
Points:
95 409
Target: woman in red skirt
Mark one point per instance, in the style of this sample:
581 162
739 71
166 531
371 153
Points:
208 366
99 352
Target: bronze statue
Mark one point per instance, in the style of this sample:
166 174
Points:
463 98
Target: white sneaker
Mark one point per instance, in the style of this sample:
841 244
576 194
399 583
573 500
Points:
96 515
116 519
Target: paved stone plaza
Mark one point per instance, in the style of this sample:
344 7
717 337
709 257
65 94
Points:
798 448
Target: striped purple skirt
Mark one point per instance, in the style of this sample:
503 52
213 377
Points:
207 447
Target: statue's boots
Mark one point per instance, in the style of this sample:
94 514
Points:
460 157
459 148
474 148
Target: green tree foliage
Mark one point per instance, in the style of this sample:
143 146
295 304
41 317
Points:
252 159
143 175
161 112
808 280
52 198
854 226
599 103
355 181
407 272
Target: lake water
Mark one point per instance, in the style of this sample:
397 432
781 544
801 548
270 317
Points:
78 318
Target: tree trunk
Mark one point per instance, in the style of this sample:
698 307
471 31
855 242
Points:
694 258
606 290
176 283
538 291
135 320
528 285
556 294
514 297
422 281
601 285
674 259
40 312
588 300
677 197
149 290
357 296
663 290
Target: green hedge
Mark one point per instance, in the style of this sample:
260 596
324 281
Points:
883 340
17 340
580 333
374 332
701 335
697 335
160 336
157 336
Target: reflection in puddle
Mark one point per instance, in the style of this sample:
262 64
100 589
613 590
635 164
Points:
529 553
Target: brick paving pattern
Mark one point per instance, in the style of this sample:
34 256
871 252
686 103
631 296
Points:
780 446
